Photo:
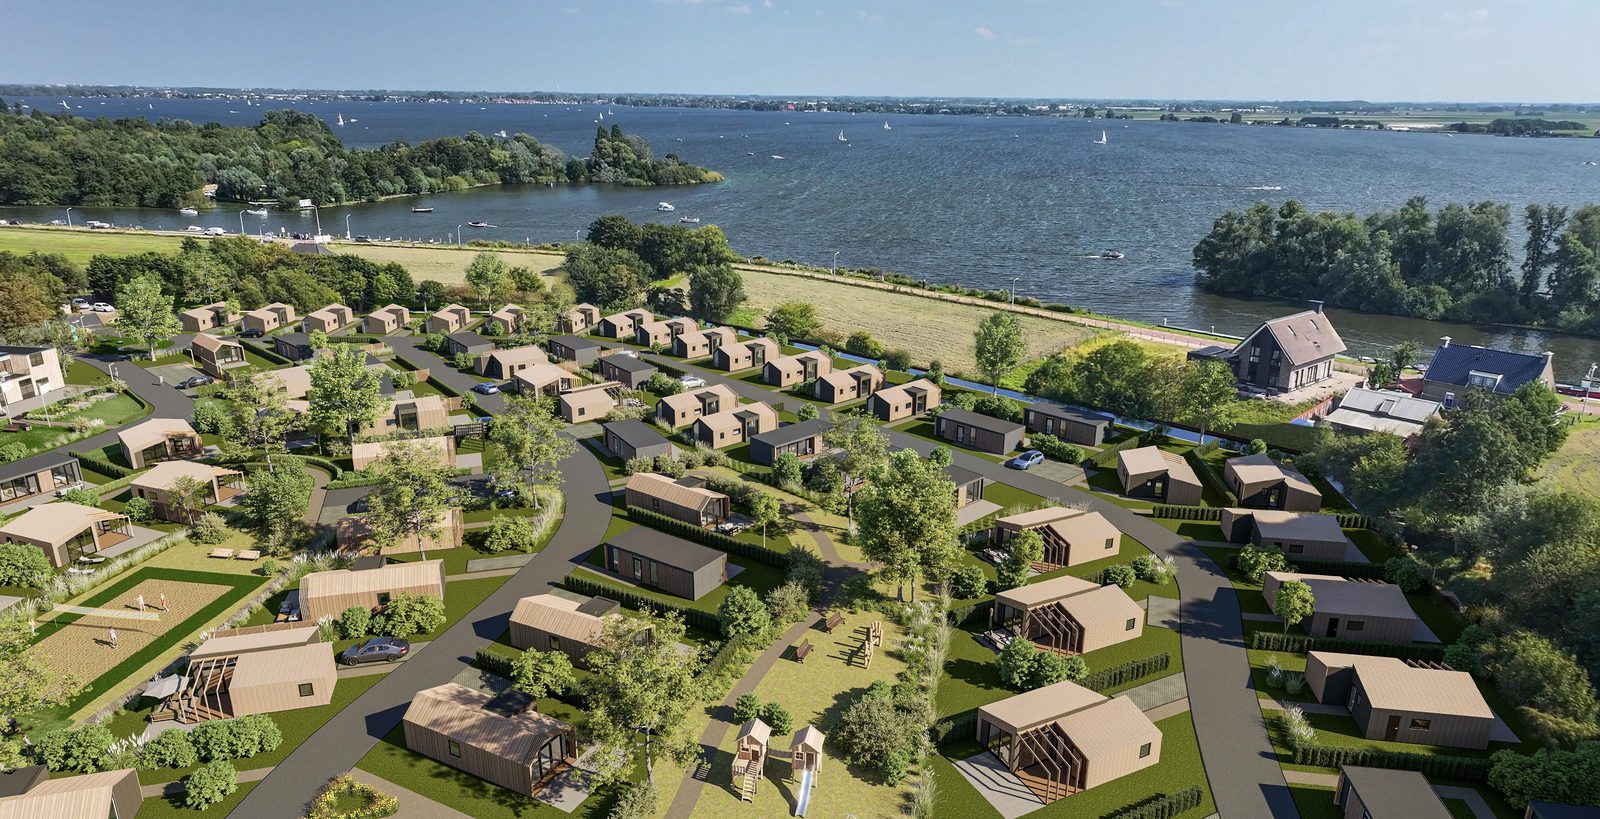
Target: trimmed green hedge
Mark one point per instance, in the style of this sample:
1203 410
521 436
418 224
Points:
1464 768
1301 643
703 620
1127 672
492 662
707 537
1209 477
1169 512
956 729
961 615
101 465
726 654
1108 456
1163 806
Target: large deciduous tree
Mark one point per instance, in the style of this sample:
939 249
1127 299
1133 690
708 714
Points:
637 690
1207 396
532 443
794 320
414 494
611 278
998 346
145 314
488 277
345 395
907 519
715 291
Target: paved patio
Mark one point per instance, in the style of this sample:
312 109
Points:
975 510
137 536
1059 472
1161 612
999 787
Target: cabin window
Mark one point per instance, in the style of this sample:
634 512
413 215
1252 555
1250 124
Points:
1132 621
455 748
655 504
1449 400
555 643
306 689
1144 750
1354 625
1421 724
383 598
1111 542
1296 548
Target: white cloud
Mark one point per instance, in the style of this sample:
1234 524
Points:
742 8
1477 15
767 3
984 33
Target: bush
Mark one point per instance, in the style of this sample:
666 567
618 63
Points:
997 406
741 613
1254 562
409 613
1017 663
1056 448
355 622
808 570
1404 572
543 673
464 361
1532 671
82 497
1052 668
747 707
670 466
787 469
1127 672
237 738
863 344
638 466
210 784
139 510
1256 446
807 412
1461 657
777 718
14 451
79 749
208 418
638 801
210 529
511 534
402 379
1297 730
169 749
897 359
663 385
1120 576
788 602
1148 568
24 564
968 582
375 803
1552 776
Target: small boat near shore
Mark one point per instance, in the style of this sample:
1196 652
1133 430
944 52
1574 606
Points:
689 220
1111 254
421 210
665 207
189 211
479 225
257 211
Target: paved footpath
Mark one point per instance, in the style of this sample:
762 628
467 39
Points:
1243 770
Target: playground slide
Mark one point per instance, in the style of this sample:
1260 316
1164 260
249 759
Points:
805 791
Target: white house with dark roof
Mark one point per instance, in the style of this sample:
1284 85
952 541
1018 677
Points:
1457 368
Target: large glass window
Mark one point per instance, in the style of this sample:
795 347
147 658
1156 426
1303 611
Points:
20 487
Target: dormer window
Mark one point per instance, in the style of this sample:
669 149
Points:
1488 381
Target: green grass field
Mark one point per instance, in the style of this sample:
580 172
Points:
1574 466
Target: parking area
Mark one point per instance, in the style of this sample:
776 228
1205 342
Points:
172 374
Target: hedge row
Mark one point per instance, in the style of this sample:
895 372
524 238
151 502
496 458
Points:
725 655
707 537
1108 456
1301 643
1163 806
1170 512
955 729
268 352
101 465
1342 568
493 663
1209 477
1351 520
703 620
961 615
357 479
1127 672
1465 768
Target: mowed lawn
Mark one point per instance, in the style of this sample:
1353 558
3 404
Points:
1574 467
445 265
940 330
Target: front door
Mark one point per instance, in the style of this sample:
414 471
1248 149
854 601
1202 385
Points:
1391 732
638 569
1333 627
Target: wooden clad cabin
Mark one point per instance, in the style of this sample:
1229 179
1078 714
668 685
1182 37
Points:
1299 535
977 431
115 794
328 594
1068 615
1151 473
493 738
269 318
1399 701
256 671
156 486
67 531
1382 793
1068 424
385 320
1353 609
906 400
1063 738
661 561
157 440
562 621
1071 536
685 500
1262 483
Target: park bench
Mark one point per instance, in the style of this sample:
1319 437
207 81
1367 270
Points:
834 621
802 650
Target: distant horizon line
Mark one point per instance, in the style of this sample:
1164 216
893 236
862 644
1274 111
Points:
19 88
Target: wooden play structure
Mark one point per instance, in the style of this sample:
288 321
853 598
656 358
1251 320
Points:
805 755
750 758
873 639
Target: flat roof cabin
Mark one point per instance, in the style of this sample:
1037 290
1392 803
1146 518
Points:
1299 535
661 561
1071 425
1352 609
802 439
977 431
630 438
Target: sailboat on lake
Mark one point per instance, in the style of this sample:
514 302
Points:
1102 139
841 137
886 126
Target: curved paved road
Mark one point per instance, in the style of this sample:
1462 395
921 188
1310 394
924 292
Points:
1243 770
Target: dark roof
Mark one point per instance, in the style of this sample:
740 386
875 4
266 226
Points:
660 546
38 463
790 433
1556 810
1069 413
19 781
973 419
575 342
634 433
598 606
469 339
293 339
960 476
1387 792
628 363
1452 363
10 350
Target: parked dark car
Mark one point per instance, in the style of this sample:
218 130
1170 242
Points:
253 332
194 381
376 650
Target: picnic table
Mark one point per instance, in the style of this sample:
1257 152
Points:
225 554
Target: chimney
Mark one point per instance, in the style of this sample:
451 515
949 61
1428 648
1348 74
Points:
1316 305
1444 341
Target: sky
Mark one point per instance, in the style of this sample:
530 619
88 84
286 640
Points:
1416 50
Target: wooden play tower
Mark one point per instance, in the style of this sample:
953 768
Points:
805 754
750 758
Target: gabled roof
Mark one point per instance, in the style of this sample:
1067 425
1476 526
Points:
845 378
1304 337
1392 684
153 431
1045 591
1148 460
542 374
562 616
166 472
667 490
233 642
55 522
211 343
690 399
1392 411
732 418
295 381
789 433
1452 363
333 312
907 389
90 795
460 713
1262 469
519 355
634 433
974 419
1041 705
727 334
281 665
386 578
1108 727
1276 524
653 327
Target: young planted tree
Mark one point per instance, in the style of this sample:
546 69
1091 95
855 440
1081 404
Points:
146 314
255 416
637 689
28 682
1025 549
742 614
1293 602
413 496
765 509
186 496
1207 398
488 277
908 519
542 673
530 438
862 450
998 346
344 394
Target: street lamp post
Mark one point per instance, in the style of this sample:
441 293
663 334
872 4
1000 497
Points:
69 217
1014 289
458 235
347 227
836 261
241 223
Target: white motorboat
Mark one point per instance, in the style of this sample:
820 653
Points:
189 211
501 133
689 220
665 207
257 211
